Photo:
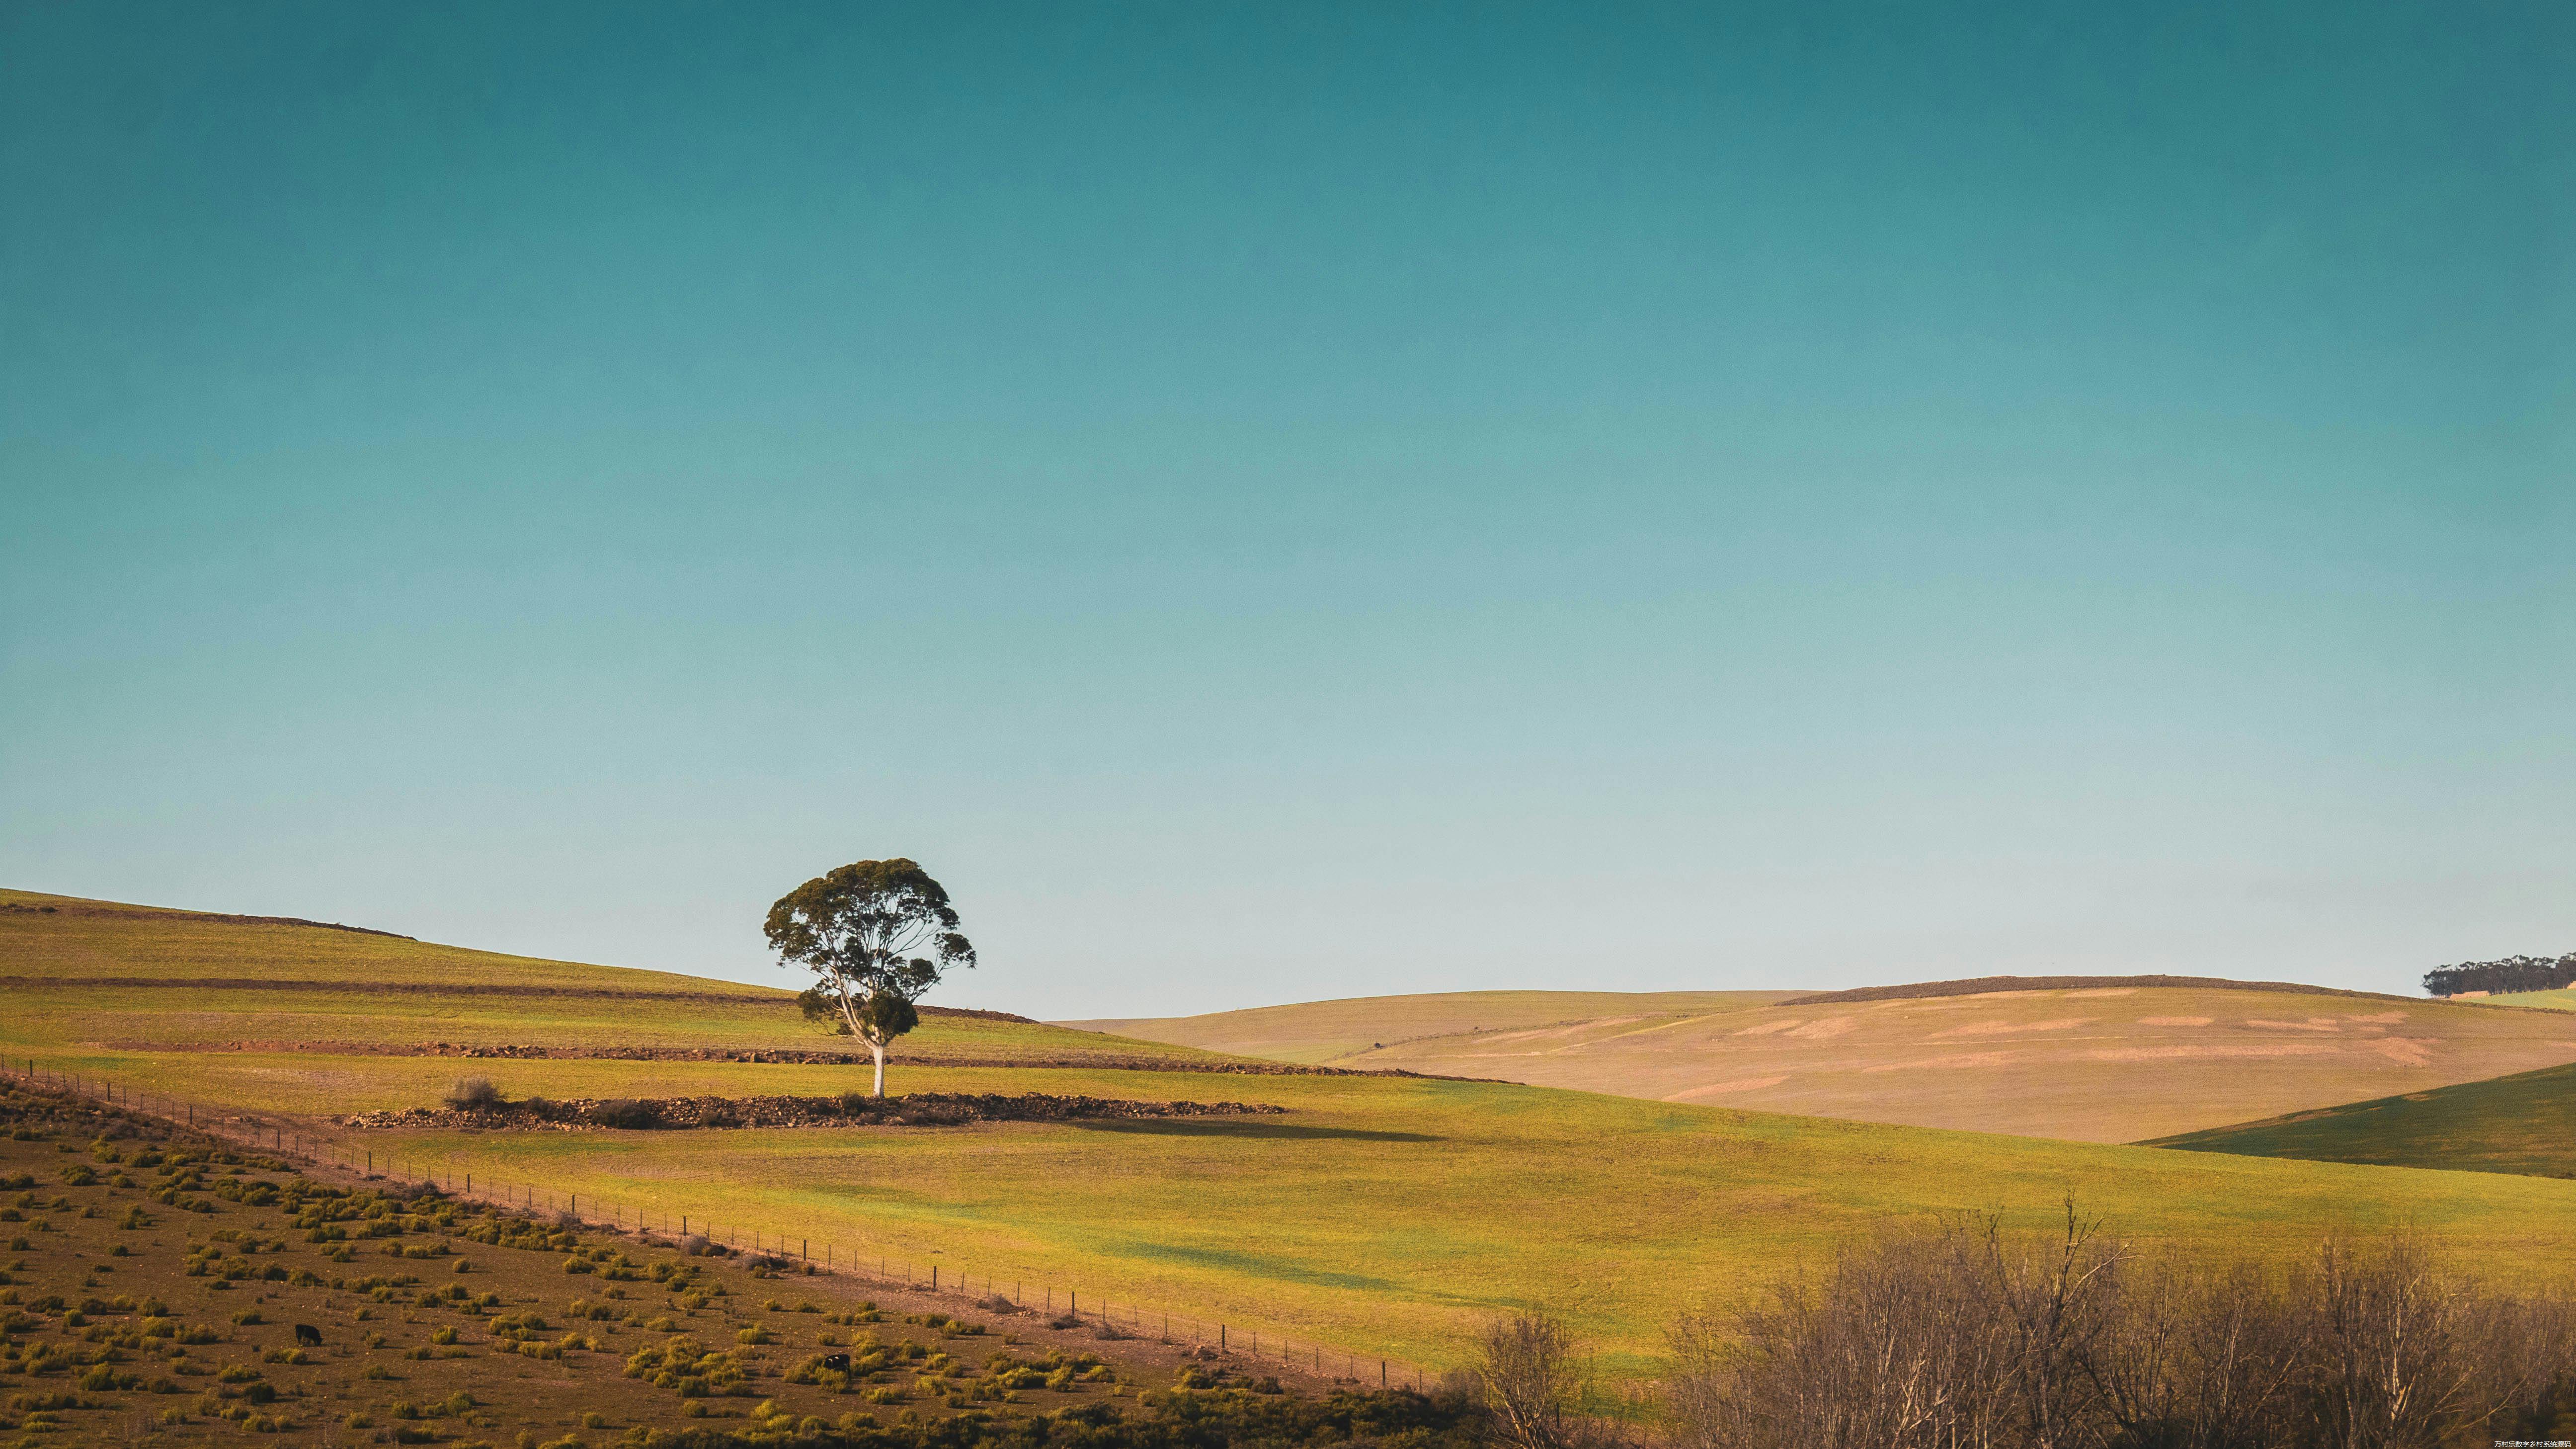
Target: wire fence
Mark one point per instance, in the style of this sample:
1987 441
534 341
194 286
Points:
803 1251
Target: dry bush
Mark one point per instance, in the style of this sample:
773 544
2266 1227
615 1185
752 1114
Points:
2400 1351
474 1094
1954 1337
1530 1380
627 1113
1966 1337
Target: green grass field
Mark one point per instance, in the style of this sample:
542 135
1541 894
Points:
2546 1000
2525 1123
1382 1215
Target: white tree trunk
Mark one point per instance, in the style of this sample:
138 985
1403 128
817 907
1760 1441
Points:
877 1050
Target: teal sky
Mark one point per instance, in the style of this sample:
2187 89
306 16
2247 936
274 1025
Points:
1273 502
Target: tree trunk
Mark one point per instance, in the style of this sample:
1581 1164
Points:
877 1050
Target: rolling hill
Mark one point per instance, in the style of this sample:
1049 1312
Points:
2546 1000
104 974
2524 1123
1384 1215
1326 1031
2104 1060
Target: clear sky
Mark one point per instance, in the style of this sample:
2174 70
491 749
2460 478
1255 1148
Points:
1271 502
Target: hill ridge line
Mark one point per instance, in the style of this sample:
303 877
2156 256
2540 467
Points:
1982 985
467 988
780 1056
221 917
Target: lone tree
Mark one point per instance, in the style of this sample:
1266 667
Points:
877 934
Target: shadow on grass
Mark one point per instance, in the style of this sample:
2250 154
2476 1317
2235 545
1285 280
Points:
1240 1127
1255 1265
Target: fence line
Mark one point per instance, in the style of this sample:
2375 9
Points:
1127 1321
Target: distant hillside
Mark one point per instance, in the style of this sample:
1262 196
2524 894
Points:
100 972
2544 1000
1324 1031
1379 1215
2524 1123
2098 1060
1989 985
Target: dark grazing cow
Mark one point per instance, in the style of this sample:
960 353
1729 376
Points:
307 1335
838 1363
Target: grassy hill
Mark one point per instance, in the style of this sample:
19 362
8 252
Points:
1326 1031
143 978
2524 1123
2106 1062
468 1356
2546 1000
1386 1215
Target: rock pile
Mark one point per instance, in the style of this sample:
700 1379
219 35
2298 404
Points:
921 1109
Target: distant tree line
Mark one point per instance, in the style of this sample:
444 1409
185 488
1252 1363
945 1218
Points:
2513 973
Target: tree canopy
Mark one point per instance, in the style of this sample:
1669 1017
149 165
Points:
876 934
2513 973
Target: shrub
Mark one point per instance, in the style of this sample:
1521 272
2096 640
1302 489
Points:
475 1094
1967 1331
1529 1379
627 1113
